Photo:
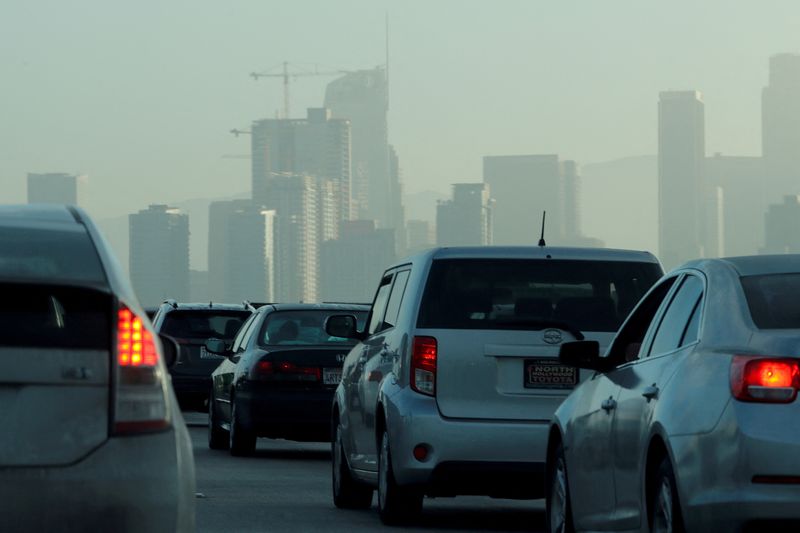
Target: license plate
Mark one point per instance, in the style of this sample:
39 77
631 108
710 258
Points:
331 376
549 374
205 354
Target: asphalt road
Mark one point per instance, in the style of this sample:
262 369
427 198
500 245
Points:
286 487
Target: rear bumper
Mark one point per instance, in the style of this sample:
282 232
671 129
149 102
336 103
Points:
295 414
504 459
136 483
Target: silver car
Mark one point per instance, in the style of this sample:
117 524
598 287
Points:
91 438
691 419
456 377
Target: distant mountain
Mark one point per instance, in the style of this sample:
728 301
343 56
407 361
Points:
619 202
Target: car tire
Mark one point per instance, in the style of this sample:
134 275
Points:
558 506
396 505
347 492
218 438
664 506
242 442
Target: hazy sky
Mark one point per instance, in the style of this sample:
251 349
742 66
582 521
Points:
141 95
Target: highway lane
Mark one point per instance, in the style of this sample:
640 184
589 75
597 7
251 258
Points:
286 487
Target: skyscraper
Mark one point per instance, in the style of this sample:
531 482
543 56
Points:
241 251
780 224
780 115
56 188
159 254
419 235
318 146
466 219
681 192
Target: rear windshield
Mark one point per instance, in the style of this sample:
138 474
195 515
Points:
36 254
54 317
288 328
773 300
533 294
203 324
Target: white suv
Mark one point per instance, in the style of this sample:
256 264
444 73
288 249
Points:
456 377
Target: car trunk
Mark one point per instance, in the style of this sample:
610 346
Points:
503 375
55 357
327 360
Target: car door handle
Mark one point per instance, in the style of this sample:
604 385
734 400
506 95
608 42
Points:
651 392
609 404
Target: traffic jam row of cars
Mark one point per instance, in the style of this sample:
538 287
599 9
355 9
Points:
628 399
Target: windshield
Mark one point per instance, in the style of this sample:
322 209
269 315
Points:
295 328
772 300
204 324
533 294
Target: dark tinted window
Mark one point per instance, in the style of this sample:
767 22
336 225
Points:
195 324
676 319
239 339
54 317
36 254
692 329
773 300
288 328
379 305
393 307
529 294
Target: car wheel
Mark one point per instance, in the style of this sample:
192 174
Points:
664 505
559 505
242 442
347 492
217 436
396 504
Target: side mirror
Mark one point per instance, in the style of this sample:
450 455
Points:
216 346
581 354
343 326
170 350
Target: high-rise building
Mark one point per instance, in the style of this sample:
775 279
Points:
780 129
295 199
318 146
466 219
159 254
781 223
352 264
420 235
397 215
681 190
56 188
241 251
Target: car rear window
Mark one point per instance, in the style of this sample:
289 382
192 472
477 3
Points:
41 254
773 299
297 328
54 317
533 293
203 324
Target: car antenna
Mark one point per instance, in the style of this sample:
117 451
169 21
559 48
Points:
541 239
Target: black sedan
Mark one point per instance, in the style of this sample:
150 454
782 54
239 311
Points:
278 377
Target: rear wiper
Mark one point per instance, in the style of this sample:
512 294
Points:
535 323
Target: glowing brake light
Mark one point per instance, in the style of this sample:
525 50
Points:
764 379
423 365
135 344
284 371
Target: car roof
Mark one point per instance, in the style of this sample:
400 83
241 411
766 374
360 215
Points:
764 264
319 307
36 215
207 306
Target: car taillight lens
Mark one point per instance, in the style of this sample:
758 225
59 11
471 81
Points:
284 371
423 365
765 379
140 395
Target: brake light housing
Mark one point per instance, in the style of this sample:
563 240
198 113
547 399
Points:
140 387
765 379
424 353
267 370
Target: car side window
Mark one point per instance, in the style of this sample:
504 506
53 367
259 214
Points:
237 342
628 343
379 304
395 299
693 327
676 318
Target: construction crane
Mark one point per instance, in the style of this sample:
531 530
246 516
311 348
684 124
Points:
286 75
238 132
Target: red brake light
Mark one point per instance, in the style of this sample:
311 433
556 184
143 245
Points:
285 371
135 344
423 365
764 379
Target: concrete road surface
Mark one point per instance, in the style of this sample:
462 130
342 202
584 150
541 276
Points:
286 487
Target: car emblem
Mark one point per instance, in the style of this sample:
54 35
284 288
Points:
340 357
552 336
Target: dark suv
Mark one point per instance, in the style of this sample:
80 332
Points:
190 324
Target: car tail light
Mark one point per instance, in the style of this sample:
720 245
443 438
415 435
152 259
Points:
423 365
140 394
765 379
284 371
